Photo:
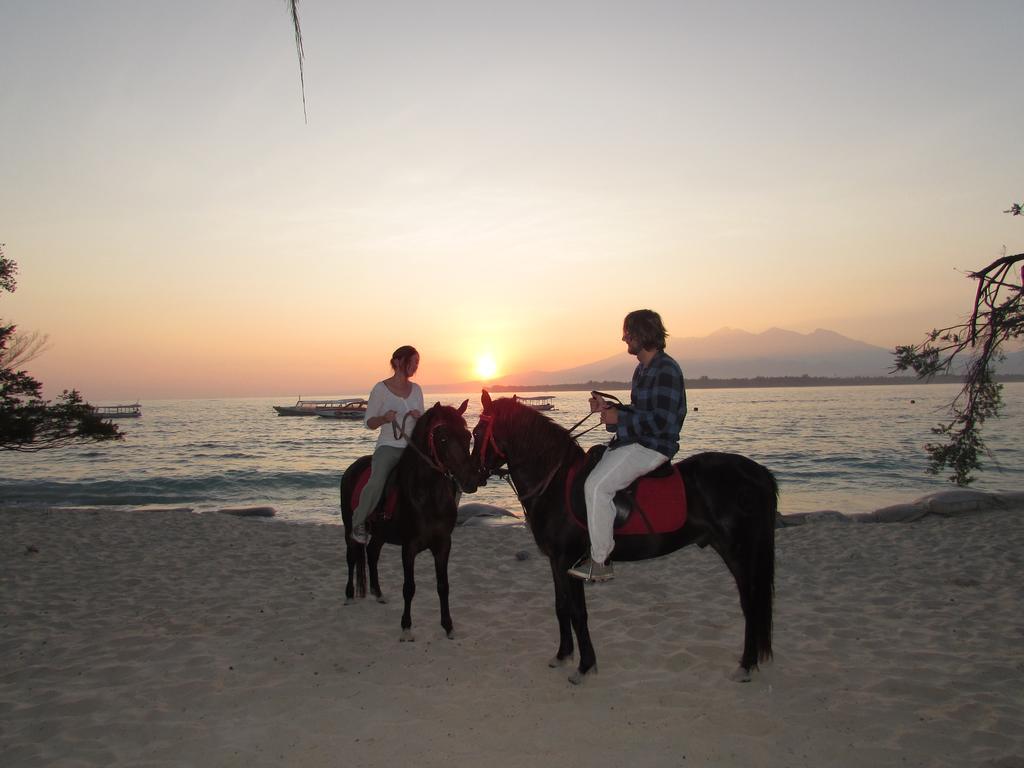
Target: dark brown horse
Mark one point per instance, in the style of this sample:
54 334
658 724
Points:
731 506
433 468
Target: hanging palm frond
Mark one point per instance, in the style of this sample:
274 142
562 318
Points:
293 7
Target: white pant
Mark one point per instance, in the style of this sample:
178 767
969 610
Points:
385 459
616 470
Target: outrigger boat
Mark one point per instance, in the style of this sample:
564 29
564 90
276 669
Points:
310 407
132 411
540 403
353 409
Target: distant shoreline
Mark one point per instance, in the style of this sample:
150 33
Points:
757 382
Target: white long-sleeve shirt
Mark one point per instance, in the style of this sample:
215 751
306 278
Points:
382 400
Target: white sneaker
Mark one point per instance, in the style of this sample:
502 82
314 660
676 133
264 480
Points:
588 570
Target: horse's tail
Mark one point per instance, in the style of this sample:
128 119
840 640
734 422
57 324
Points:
755 547
360 553
740 500
356 553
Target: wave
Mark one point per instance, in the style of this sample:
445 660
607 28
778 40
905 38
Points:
230 486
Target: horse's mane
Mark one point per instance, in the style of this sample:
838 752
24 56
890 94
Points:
542 438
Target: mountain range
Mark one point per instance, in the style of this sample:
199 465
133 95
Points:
729 353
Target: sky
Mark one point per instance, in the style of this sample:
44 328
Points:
488 179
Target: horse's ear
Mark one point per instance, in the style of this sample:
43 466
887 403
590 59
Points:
485 400
462 408
437 404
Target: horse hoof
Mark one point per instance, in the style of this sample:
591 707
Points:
741 675
382 600
451 634
577 677
407 636
556 662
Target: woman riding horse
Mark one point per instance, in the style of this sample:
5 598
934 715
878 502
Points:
419 512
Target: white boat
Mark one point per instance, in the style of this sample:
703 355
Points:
352 409
132 411
310 407
539 403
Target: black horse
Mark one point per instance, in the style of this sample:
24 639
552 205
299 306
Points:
731 505
434 466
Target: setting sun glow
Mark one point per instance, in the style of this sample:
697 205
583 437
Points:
503 201
486 367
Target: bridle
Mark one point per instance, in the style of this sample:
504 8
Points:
433 460
489 443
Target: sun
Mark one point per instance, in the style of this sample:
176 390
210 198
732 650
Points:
486 366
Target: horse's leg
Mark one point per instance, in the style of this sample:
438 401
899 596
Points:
355 555
373 555
565 643
441 551
578 616
355 560
350 558
408 591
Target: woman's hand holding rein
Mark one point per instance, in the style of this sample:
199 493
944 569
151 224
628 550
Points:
376 422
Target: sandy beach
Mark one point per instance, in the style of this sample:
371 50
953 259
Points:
167 638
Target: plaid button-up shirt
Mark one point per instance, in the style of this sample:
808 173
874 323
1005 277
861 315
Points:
658 409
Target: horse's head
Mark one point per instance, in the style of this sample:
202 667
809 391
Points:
441 437
509 431
488 455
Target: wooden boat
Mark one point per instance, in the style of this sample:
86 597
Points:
353 409
309 407
540 403
132 411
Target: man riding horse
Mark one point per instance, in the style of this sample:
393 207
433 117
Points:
646 435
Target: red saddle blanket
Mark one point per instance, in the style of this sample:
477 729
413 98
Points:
386 507
655 504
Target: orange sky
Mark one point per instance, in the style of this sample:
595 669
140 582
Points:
487 180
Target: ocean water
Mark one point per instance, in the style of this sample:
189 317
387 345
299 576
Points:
852 449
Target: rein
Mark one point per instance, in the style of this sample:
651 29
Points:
594 392
435 463
538 491
488 442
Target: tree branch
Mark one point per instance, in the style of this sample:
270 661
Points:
997 316
293 9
